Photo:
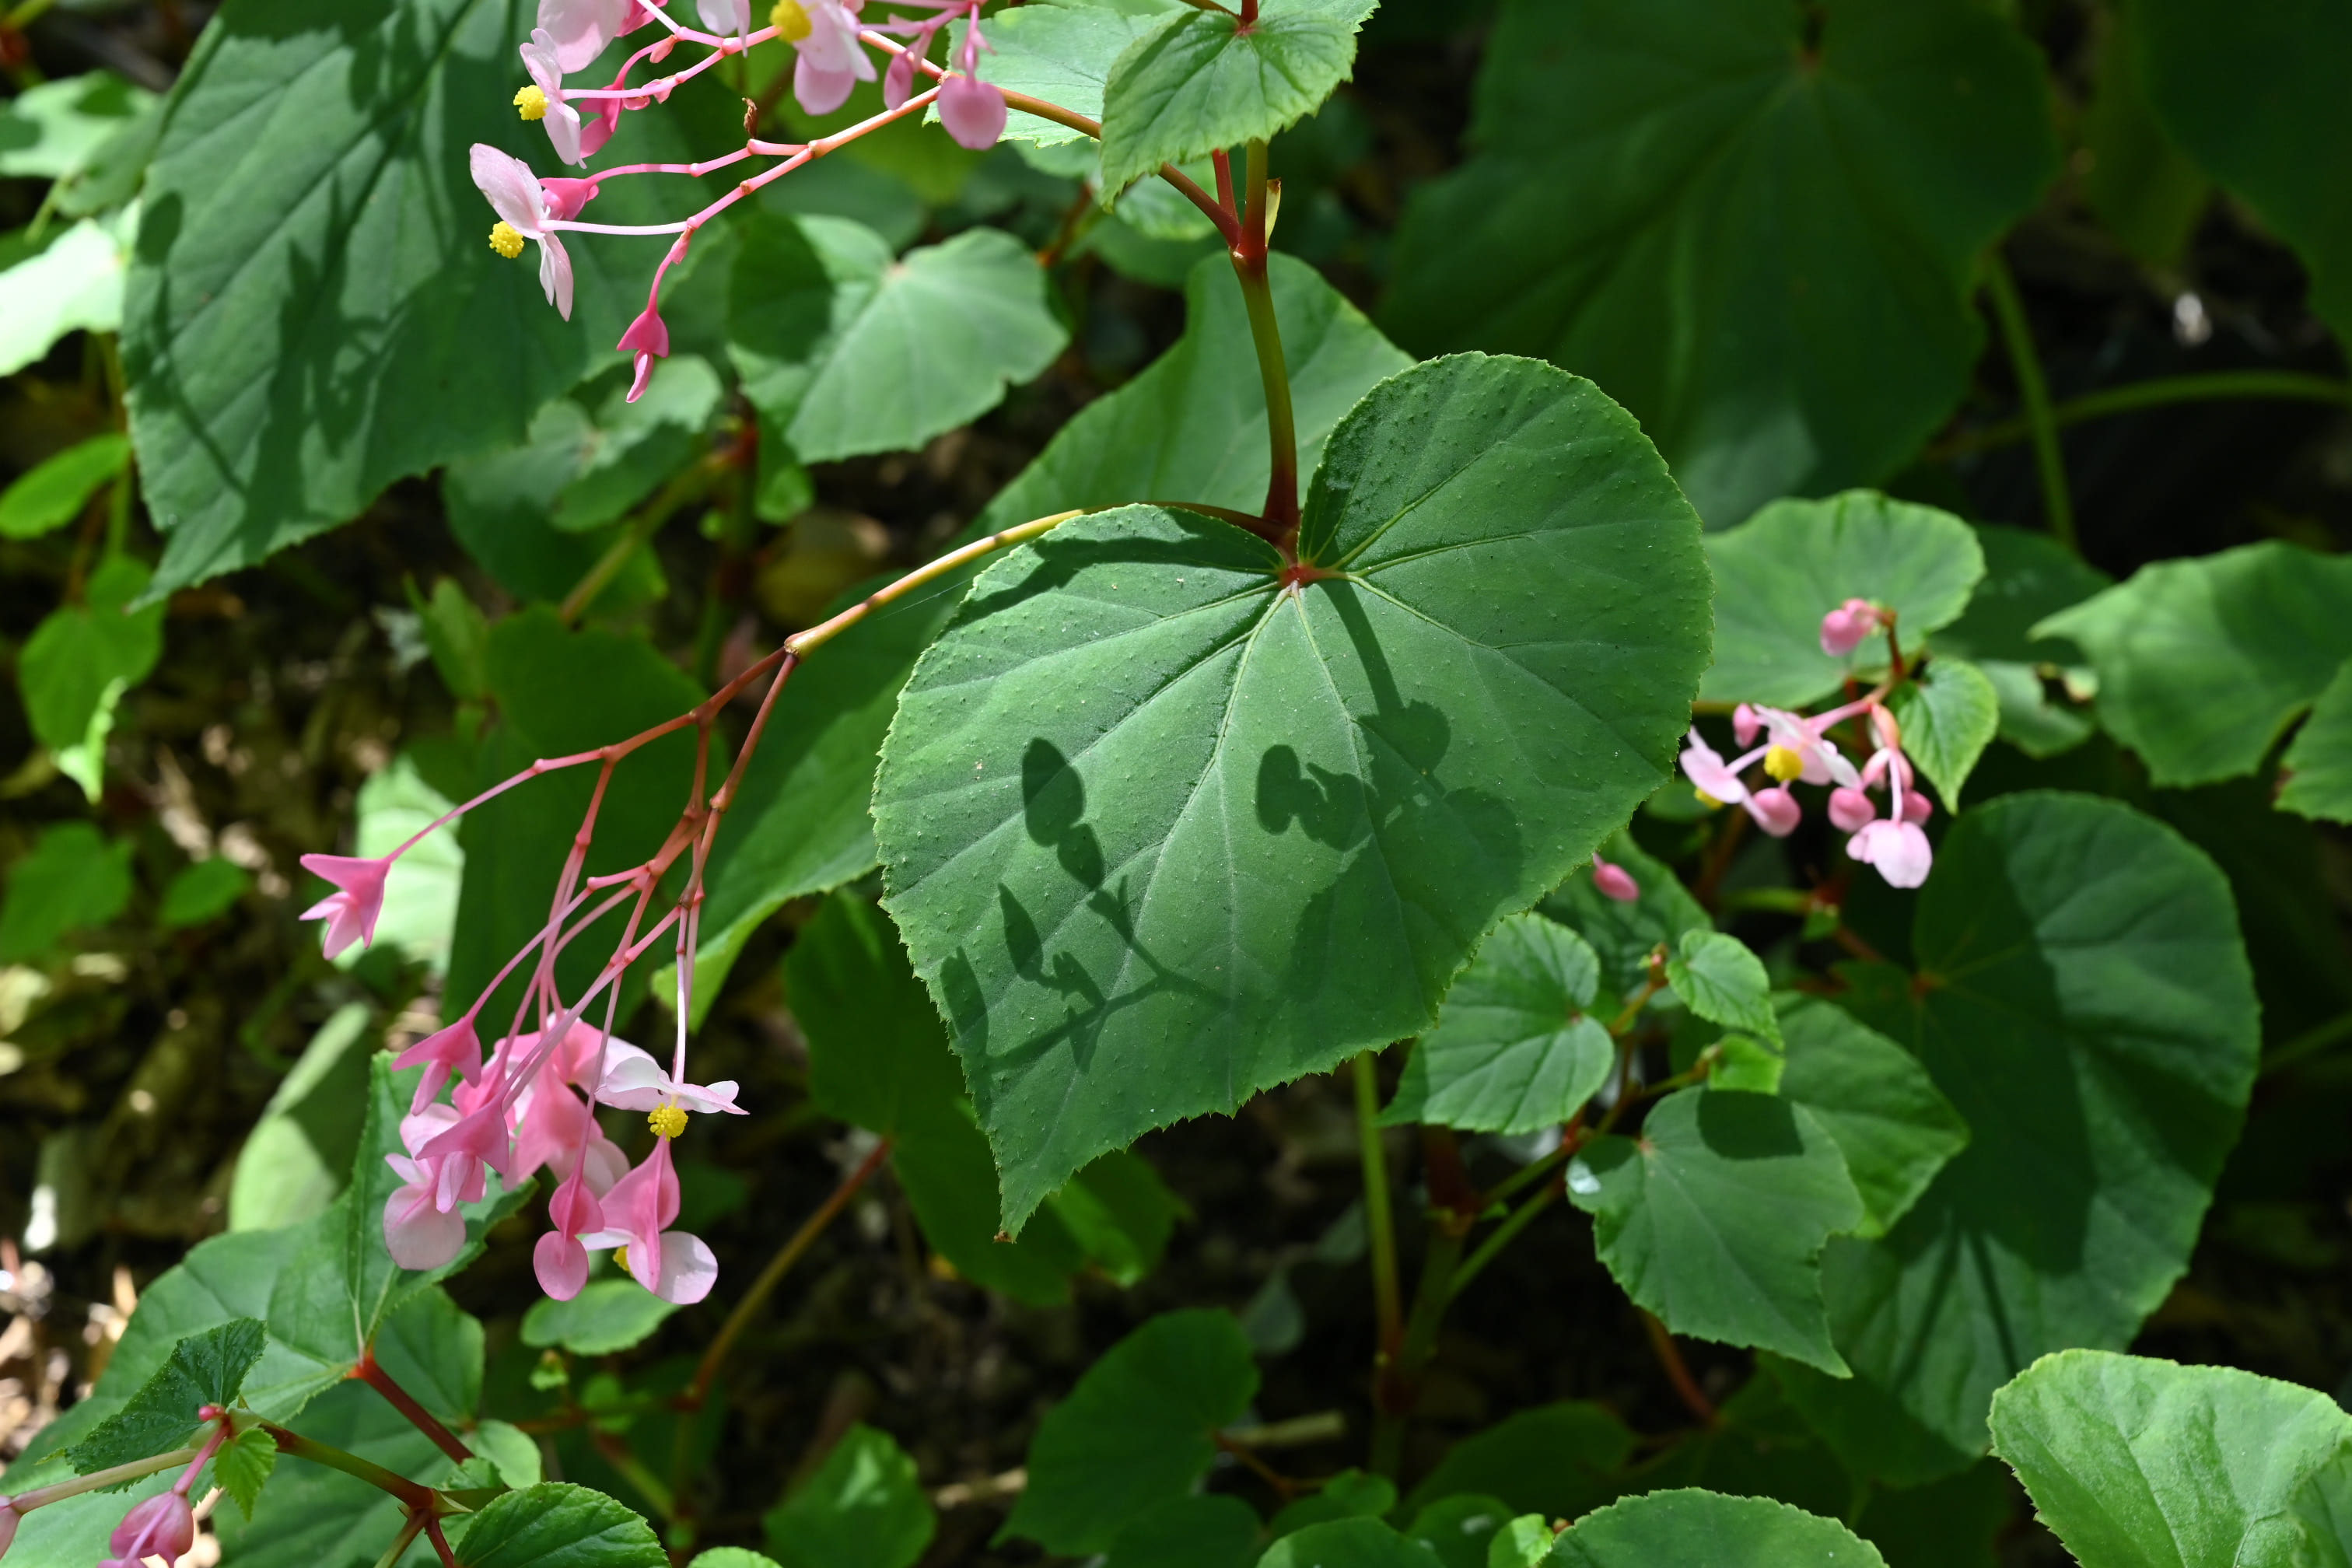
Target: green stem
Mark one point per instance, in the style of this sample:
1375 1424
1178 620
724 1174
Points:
682 489
1380 1220
2216 386
633 1470
1502 1236
411 1494
99 1481
1403 1385
1249 256
2017 334
2308 1043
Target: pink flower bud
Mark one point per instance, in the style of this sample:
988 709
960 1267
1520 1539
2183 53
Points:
1614 882
456 1048
1776 811
1916 808
565 197
164 1526
1746 724
351 911
899 81
1843 628
972 111
1850 809
648 339
561 1264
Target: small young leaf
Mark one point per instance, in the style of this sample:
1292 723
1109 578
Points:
2201 664
863 1508
1198 83
606 1317
1779 573
54 493
2318 768
72 880
206 1368
1950 715
1139 1428
1718 978
1555 1461
556 1526
2029 577
243 1466
511 1451
1513 1050
1696 1527
72 656
198 893
74 282
822 320
1350 1494
1894 1128
1522 1543
1715 1217
2138 1463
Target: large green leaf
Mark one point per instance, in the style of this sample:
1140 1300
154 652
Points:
2203 663
312 313
1704 1527
863 1508
1348 1544
1762 242
1063 51
2254 95
204 1369
851 351
2083 1000
1141 791
1514 1050
1139 1428
503 504
2143 1464
1190 427
1792 563
1212 1530
607 1315
1713 1218
1875 1100
1200 81
2139 182
2317 769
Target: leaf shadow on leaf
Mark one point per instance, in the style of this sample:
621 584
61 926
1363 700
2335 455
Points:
1736 1130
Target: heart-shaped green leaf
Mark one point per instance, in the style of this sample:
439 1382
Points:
552 1525
1755 223
1949 714
1870 1095
2082 999
1145 791
1514 1051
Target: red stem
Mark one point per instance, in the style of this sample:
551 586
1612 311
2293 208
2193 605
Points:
370 1373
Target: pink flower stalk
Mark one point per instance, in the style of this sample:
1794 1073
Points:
164 1526
648 339
672 1264
581 29
565 197
524 214
1846 628
352 910
1614 882
455 1048
543 99
9 1519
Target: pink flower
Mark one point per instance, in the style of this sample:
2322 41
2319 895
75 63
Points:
453 1048
460 1152
562 121
9 1517
1776 811
565 196
352 910
673 1264
1614 882
831 62
1746 724
558 1258
972 111
1850 809
899 81
164 1526
416 1233
1822 761
648 339
1916 808
1899 849
521 204
633 1080
1705 769
1845 628
582 28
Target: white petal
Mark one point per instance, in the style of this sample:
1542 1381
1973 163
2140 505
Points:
513 190
687 1270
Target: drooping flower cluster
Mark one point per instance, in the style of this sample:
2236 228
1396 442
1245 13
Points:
833 51
1792 748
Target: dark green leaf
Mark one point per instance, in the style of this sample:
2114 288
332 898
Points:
53 494
1348 1544
1208 1531
1875 1100
607 1316
1514 1050
206 1368
1555 1459
1139 1428
2203 663
2318 768
1198 83
2143 188
1461 1529
73 880
500 505
1306 806
201 892
1350 1494
313 313
1714 1217
634 447
557 1526
1950 715
863 1509
2084 1002
824 322
1701 1527
242 1466
2143 1464
1762 243
1796 560
1063 51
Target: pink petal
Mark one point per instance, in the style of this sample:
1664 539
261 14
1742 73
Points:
1746 724
821 91
1776 811
164 1526
1703 765
561 1264
417 1233
514 193
687 1269
972 111
555 274
1915 806
899 81
1850 810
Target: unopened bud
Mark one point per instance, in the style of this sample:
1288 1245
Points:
1614 882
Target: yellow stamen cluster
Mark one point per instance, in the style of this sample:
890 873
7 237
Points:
667 1120
505 240
791 23
1784 764
621 1256
531 103
1705 799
